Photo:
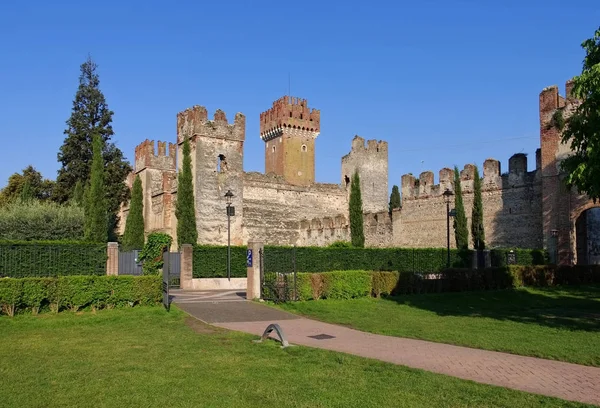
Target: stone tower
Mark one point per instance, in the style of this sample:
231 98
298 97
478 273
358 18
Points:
371 161
289 130
217 152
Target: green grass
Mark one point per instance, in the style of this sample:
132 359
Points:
144 357
554 323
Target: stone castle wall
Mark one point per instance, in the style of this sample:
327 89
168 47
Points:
511 206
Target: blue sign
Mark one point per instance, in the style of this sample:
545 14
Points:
249 258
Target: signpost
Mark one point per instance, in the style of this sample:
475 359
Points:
165 280
249 258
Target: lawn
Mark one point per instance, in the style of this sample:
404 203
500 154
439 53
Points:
148 357
554 323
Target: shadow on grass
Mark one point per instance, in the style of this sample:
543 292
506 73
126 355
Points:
573 308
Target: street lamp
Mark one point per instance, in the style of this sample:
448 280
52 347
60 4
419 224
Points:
230 212
447 194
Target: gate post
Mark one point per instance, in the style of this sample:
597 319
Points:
253 272
112 261
186 268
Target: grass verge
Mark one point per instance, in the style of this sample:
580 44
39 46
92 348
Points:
147 357
554 323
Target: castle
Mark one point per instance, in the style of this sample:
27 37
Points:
286 206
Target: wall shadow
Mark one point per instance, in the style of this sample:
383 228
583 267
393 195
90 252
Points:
573 308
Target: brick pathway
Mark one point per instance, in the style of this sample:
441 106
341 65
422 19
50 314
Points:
552 378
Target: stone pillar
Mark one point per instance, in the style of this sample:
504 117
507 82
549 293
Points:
187 266
253 273
112 263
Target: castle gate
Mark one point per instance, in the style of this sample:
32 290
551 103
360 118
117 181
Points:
587 237
278 278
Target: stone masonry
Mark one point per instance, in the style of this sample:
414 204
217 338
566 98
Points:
286 206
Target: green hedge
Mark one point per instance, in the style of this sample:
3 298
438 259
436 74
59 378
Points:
211 261
19 259
352 284
77 292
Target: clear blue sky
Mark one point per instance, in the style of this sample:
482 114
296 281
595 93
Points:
422 75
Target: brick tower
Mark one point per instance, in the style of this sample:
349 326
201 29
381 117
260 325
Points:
289 130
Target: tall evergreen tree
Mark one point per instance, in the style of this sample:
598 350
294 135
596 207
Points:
356 213
133 238
185 209
477 232
77 198
97 214
91 116
26 195
461 231
395 201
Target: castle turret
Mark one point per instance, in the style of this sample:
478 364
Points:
371 162
289 130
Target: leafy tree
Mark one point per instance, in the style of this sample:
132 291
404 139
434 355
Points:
582 129
91 116
185 209
31 179
356 213
133 238
395 201
96 207
461 231
477 232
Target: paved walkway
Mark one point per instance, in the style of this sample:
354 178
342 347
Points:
546 377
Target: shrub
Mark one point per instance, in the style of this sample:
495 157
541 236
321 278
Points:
333 285
384 283
19 259
78 292
152 254
44 221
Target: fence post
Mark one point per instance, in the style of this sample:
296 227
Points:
253 271
187 267
112 261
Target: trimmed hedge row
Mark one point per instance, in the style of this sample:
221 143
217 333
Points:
77 292
19 259
353 284
211 261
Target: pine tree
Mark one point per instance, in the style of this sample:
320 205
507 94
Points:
461 231
133 237
477 231
91 116
395 201
185 209
356 213
97 214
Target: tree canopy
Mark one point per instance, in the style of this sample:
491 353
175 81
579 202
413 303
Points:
582 129
29 179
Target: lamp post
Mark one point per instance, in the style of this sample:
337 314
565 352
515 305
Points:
447 194
230 212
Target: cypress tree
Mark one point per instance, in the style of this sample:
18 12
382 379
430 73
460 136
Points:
133 237
477 231
461 231
356 213
97 214
185 208
77 198
395 201
26 195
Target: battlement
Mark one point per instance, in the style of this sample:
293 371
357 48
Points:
145 156
289 113
360 148
194 122
492 178
551 100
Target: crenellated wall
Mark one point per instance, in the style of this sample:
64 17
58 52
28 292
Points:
511 205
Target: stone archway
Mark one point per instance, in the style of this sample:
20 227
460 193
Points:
587 237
